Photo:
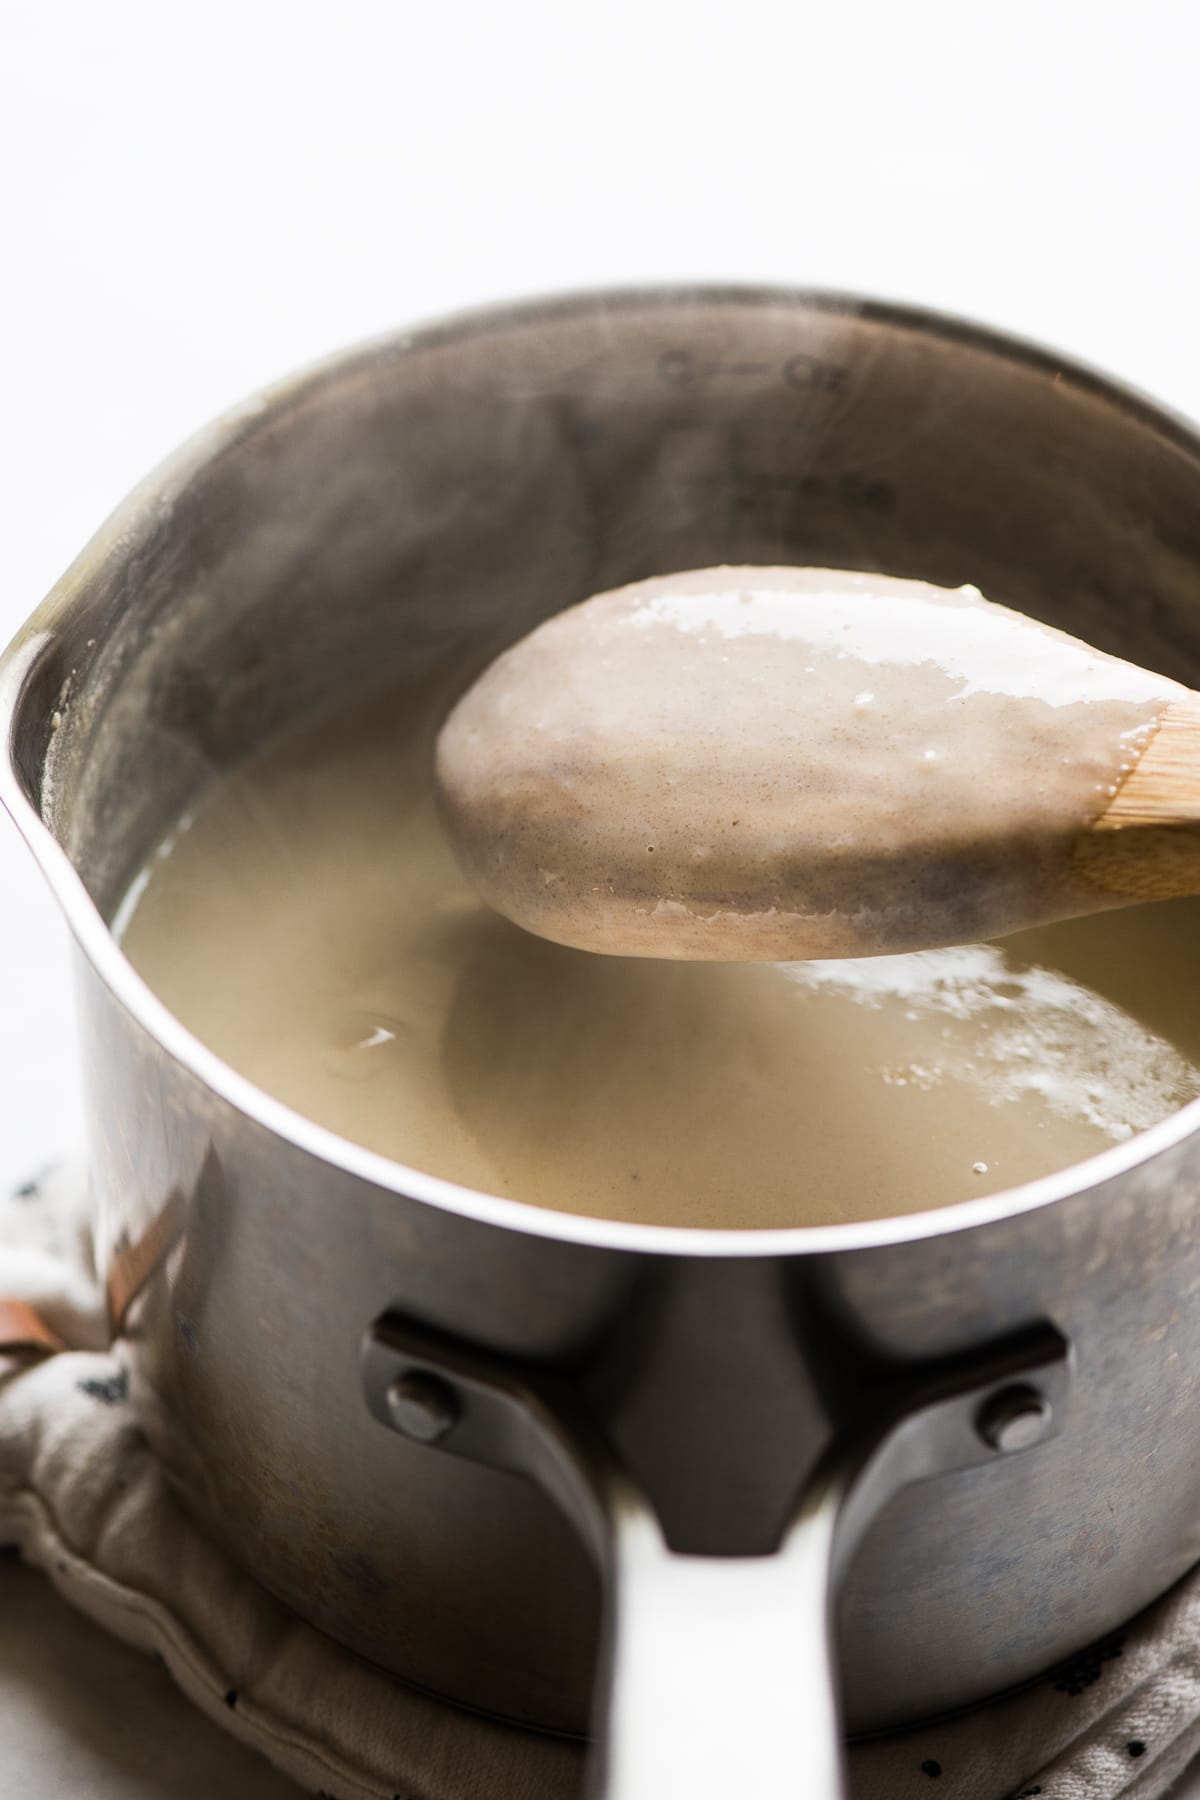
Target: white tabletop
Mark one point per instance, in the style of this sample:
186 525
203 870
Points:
199 200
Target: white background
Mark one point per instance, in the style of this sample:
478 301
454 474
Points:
196 199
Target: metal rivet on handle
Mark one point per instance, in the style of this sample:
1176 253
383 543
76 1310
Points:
422 1406
1015 1418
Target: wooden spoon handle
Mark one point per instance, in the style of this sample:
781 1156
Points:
1146 844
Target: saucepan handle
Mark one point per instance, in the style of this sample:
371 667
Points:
719 1676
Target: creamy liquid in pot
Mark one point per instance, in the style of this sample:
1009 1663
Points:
310 925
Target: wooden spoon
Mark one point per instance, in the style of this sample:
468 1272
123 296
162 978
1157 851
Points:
772 764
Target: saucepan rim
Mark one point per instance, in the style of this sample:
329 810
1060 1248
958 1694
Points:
95 939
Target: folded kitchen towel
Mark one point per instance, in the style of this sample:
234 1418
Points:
82 1498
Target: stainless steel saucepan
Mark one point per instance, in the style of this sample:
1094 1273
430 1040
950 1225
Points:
458 1432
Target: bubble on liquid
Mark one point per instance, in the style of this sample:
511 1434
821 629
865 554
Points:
362 1042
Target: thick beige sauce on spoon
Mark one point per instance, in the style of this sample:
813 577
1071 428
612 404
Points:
311 925
756 763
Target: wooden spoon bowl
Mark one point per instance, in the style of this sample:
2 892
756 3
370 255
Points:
772 764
